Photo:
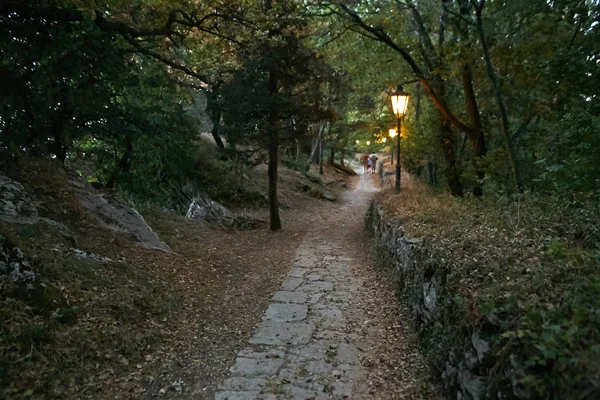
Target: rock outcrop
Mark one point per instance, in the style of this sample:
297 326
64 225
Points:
202 207
114 213
15 269
17 206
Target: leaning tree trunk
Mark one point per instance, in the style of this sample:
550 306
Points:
317 142
499 98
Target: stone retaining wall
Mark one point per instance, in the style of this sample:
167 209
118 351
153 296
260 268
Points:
462 355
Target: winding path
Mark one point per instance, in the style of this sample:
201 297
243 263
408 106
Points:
318 337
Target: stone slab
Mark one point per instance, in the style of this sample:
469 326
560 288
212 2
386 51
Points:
231 395
283 333
240 383
251 367
297 272
316 287
291 283
286 312
290 297
261 353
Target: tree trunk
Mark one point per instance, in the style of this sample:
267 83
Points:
331 155
499 98
275 221
214 110
124 164
297 150
452 172
321 158
478 138
63 114
317 142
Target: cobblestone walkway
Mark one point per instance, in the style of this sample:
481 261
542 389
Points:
313 340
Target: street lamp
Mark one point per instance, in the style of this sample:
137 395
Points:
399 104
392 134
357 141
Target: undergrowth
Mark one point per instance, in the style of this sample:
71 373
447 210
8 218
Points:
523 270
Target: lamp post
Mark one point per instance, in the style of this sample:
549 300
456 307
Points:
399 104
392 134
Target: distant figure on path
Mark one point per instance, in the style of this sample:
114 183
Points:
365 163
373 161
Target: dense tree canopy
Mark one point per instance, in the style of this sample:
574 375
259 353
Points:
504 94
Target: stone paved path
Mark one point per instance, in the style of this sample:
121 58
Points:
313 340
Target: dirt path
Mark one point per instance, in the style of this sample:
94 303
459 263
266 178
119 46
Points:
332 330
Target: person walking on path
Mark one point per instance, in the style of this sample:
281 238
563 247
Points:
373 161
365 163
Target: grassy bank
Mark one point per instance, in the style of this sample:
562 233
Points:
524 271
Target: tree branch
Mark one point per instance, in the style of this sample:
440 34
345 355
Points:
142 50
381 36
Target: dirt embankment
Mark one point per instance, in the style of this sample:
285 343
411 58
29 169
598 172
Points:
109 319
